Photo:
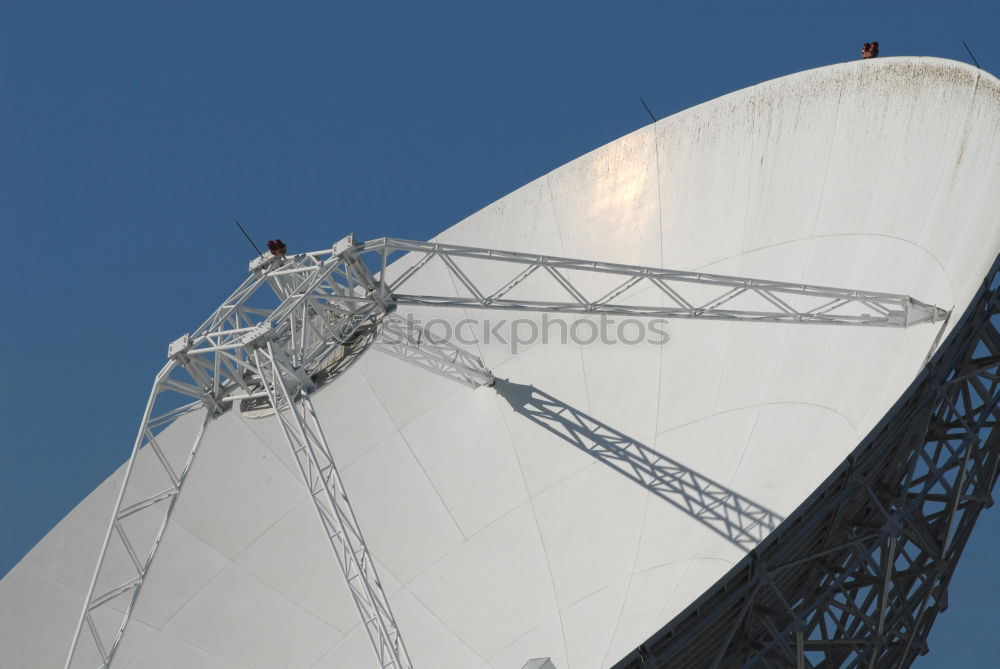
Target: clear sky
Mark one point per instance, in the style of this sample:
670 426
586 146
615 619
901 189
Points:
133 134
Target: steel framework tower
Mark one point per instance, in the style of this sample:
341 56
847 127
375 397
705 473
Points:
296 323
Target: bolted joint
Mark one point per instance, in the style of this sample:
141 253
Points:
258 337
345 244
384 297
178 348
211 403
261 264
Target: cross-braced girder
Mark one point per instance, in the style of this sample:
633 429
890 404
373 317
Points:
402 338
491 279
304 435
298 321
857 575
142 508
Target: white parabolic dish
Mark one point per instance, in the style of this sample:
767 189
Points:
498 540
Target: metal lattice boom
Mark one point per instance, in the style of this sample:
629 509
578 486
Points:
687 294
304 435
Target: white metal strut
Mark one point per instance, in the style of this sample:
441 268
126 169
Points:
304 435
297 321
490 279
404 339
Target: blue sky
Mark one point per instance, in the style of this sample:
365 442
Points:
133 134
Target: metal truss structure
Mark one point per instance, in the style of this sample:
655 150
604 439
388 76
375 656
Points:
614 288
857 575
304 435
404 339
299 321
